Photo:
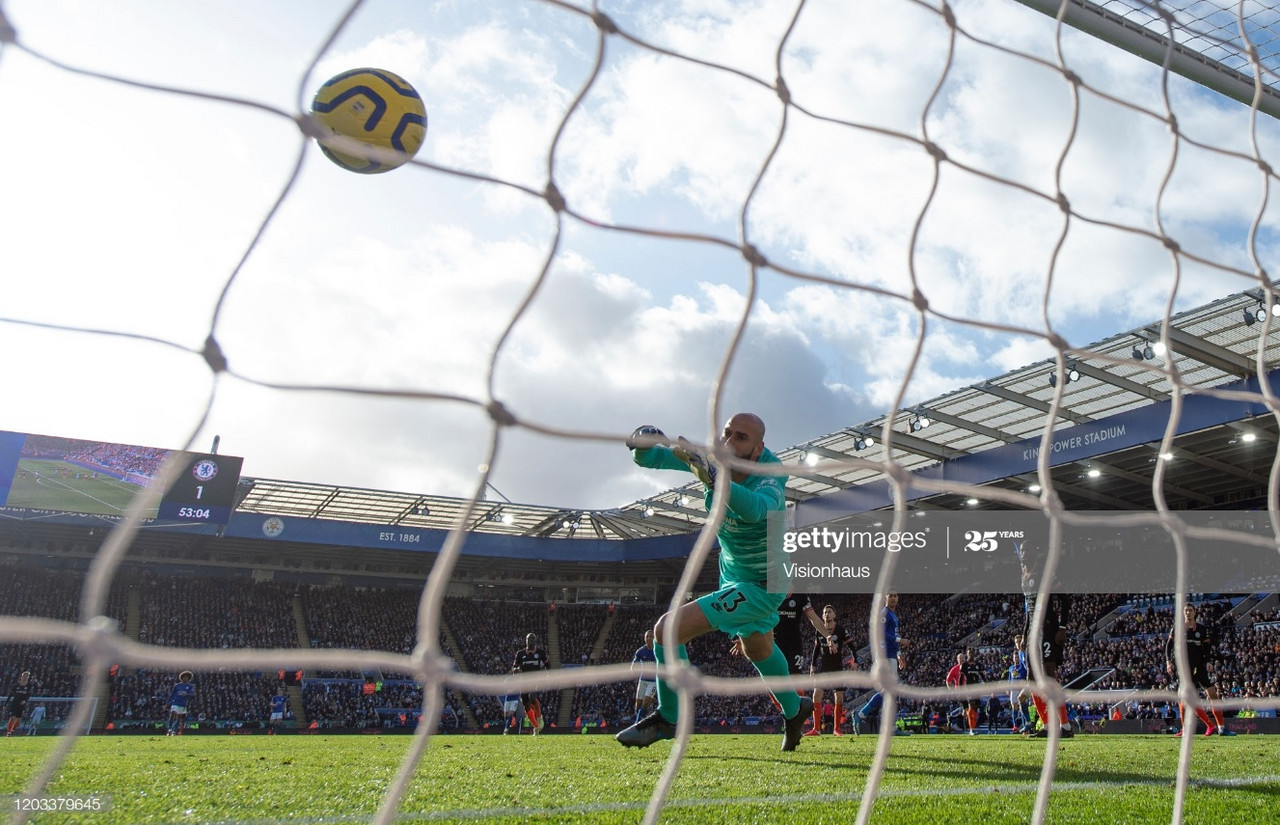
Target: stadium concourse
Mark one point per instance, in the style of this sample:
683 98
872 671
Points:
307 566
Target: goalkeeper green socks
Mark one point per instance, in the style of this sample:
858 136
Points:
668 699
775 665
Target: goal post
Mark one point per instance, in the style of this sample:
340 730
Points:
49 714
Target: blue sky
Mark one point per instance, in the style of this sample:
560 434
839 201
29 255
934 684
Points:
128 210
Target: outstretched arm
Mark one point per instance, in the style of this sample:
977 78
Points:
658 457
814 620
753 504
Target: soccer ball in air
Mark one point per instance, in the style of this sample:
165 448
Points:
375 107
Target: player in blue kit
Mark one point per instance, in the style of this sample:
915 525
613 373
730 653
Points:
893 653
744 605
1018 698
180 702
278 703
647 685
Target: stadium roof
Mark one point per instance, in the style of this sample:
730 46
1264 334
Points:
1219 466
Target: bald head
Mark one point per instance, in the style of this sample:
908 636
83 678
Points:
744 436
751 421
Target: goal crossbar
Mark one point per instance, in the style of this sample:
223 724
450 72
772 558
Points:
1150 41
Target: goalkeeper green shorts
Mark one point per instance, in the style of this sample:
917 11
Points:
742 608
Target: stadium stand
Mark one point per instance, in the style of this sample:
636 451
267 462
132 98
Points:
217 608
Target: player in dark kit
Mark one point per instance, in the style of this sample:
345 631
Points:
965 672
828 657
788 635
1053 640
19 695
1199 642
528 659
972 676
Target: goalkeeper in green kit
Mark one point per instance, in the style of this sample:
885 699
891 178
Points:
743 606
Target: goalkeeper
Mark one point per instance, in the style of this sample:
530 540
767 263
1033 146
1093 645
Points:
743 606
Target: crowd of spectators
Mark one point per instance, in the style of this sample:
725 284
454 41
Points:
215 614
361 619
345 703
579 627
1268 616
1123 632
50 594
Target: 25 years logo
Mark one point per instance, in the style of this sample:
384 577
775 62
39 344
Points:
987 541
980 541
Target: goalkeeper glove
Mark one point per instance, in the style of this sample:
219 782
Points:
645 437
703 469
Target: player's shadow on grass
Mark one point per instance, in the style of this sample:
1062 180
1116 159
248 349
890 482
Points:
770 759
929 766
972 770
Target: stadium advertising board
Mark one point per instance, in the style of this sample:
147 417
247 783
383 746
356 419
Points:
45 476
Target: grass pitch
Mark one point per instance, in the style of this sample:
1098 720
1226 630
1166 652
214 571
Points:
591 779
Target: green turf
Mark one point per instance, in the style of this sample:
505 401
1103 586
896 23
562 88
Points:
591 779
54 491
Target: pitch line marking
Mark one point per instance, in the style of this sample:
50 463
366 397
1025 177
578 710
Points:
475 814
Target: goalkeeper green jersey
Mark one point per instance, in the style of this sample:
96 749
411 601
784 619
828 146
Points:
744 535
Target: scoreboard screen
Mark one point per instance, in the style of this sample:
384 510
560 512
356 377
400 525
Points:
47 474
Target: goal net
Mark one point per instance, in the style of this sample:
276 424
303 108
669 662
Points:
826 212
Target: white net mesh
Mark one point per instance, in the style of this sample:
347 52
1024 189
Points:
953 177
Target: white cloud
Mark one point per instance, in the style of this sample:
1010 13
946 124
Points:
409 280
1020 352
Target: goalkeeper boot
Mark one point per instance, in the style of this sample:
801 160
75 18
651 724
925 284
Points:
642 734
794 727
